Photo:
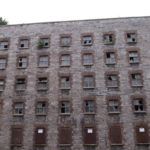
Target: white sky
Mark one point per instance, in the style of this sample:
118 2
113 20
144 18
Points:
29 11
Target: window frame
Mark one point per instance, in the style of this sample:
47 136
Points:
41 38
4 85
37 82
131 32
87 35
88 52
141 76
70 107
48 61
60 60
113 73
115 57
43 100
114 98
21 77
23 38
6 58
65 36
23 56
5 40
108 34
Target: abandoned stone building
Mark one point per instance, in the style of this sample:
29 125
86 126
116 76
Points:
75 85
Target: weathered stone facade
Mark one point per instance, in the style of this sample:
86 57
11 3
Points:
101 119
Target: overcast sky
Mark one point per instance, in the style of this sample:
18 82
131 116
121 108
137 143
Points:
29 11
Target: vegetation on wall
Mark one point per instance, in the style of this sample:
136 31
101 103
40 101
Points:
3 21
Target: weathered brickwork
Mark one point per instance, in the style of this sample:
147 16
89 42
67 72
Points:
82 128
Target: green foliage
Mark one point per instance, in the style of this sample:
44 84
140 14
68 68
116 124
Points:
3 21
40 44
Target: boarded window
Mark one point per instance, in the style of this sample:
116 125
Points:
142 136
17 136
40 136
115 134
65 135
89 135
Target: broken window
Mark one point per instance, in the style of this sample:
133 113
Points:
65 107
18 108
22 61
65 60
136 79
45 42
41 108
43 61
42 83
20 84
65 83
110 58
3 62
138 105
88 82
4 44
113 106
87 59
65 41
112 80
133 57
108 38
87 40
131 37
89 106
24 43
